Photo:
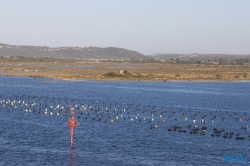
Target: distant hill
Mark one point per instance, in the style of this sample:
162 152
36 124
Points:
70 52
197 56
106 53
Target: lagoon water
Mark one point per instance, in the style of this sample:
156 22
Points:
38 139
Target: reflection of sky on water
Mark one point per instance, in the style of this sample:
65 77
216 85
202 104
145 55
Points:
84 66
130 67
33 66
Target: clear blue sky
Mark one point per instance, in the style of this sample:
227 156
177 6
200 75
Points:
146 26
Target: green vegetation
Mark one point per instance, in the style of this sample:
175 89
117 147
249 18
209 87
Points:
218 76
70 52
125 74
237 76
177 75
14 53
34 59
192 61
112 74
137 71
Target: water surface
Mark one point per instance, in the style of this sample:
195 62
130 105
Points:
38 139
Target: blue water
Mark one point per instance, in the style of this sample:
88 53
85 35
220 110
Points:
68 67
32 138
129 67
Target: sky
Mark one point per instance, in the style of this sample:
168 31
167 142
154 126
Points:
146 26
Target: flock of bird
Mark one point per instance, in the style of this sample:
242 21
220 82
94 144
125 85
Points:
230 124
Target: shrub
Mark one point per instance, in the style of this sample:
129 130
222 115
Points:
110 74
218 76
236 76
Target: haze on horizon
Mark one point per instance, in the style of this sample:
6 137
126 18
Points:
146 26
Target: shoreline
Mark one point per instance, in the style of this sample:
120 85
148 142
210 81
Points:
128 80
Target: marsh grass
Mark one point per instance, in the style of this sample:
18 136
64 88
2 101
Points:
138 72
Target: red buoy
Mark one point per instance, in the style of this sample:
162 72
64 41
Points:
72 122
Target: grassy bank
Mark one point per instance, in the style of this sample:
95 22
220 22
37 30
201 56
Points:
125 71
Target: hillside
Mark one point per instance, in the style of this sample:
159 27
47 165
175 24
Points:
202 57
70 52
110 53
